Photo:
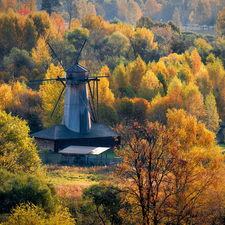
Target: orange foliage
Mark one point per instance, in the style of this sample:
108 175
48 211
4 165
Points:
58 24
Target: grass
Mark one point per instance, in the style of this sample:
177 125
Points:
222 145
70 181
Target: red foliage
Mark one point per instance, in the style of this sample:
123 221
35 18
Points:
24 12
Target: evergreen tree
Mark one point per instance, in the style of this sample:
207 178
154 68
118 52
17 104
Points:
49 5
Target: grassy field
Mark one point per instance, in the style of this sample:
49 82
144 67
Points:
69 181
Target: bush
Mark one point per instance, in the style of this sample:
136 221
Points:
26 214
20 188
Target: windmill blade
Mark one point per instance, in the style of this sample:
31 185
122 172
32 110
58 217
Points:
58 100
55 55
92 104
76 62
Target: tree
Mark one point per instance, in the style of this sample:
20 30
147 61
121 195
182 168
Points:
50 5
6 4
212 117
106 96
220 22
136 73
162 168
120 80
31 4
49 92
6 96
125 108
41 55
58 24
133 12
193 101
151 9
21 188
175 93
107 197
176 17
72 9
18 152
202 12
26 105
149 87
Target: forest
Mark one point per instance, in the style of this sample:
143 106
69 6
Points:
163 90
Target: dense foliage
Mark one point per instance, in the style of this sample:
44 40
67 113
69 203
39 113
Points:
165 86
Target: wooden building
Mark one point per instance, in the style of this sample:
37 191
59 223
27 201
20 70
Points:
59 137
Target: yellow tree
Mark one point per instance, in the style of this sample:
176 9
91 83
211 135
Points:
212 117
120 80
49 92
17 149
149 87
220 23
41 55
175 93
195 61
158 109
216 72
6 4
6 96
193 102
163 172
203 82
192 179
106 96
136 72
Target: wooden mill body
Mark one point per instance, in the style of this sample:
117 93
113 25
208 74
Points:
76 115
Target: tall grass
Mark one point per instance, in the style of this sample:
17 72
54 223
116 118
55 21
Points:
70 181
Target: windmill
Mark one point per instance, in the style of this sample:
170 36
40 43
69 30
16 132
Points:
79 111
80 123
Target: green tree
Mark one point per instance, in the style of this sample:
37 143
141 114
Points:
146 22
21 188
107 197
50 6
17 149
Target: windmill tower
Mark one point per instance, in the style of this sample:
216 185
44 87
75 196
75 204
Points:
76 115
80 125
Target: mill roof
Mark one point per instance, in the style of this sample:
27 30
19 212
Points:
61 132
77 68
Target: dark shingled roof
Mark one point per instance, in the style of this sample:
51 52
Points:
77 69
61 132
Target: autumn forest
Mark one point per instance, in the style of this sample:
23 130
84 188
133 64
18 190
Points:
163 90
